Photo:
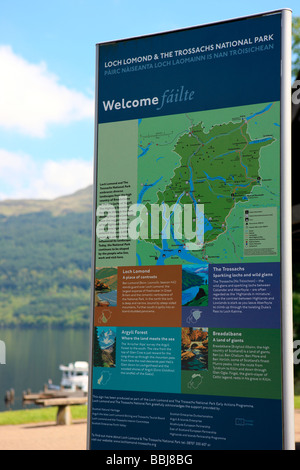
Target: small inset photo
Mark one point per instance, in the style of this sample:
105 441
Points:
106 281
105 347
194 348
195 285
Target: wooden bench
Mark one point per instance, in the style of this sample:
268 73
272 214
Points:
63 416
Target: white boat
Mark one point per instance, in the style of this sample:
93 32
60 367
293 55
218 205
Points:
75 376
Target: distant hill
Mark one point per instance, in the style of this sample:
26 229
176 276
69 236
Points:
80 201
45 261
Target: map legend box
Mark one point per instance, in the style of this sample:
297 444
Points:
260 232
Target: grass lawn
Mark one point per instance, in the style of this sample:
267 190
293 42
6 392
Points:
39 415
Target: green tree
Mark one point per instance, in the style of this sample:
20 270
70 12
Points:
296 46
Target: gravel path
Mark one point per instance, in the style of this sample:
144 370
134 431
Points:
44 436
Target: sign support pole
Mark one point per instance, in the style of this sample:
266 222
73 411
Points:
286 235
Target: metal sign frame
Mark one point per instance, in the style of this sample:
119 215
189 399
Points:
286 325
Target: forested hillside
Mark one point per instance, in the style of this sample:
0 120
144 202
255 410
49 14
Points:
45 262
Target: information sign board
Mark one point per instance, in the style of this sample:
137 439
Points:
191 336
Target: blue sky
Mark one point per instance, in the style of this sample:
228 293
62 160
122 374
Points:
47 79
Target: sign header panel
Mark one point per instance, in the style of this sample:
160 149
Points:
187 274
211 67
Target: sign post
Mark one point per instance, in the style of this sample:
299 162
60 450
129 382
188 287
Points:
191 329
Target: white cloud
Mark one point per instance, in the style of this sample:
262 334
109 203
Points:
31 98
16 170
22 178
64 177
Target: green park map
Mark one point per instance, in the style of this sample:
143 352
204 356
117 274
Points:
227 160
